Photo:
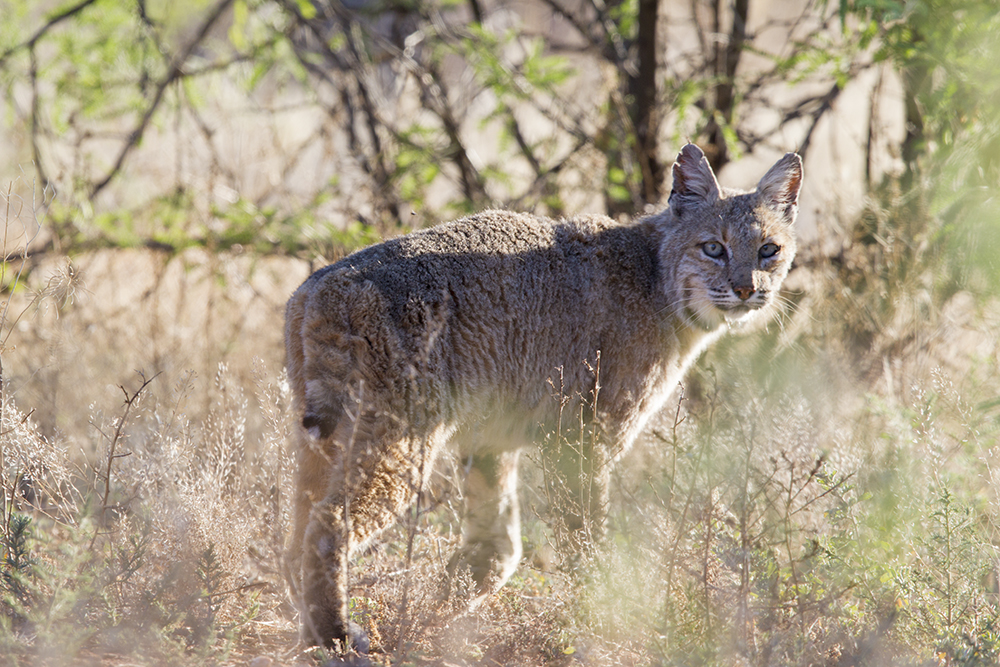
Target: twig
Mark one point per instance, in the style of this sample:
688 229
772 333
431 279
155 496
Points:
51 23
174 72
238 589
130 402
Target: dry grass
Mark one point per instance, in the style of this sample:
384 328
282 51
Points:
824 493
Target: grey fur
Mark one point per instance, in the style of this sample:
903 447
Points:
452 334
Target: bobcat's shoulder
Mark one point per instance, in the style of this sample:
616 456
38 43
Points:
477 331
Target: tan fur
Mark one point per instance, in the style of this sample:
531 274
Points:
452 334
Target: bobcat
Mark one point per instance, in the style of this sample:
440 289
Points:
452 334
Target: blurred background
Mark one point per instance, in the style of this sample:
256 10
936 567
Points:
822 491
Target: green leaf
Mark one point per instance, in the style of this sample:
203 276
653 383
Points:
619 193
306 8
237 31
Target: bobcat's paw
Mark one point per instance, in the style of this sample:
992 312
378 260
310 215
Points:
357 639
473 576
336 636
352 659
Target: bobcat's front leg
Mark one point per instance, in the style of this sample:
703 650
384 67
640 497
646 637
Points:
491 535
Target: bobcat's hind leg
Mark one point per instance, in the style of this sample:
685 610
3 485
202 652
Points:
491 535
320 553
323 608
315 460
382 467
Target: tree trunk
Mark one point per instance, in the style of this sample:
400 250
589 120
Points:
644 110
725 63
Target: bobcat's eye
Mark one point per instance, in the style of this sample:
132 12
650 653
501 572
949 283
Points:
768 250
713 249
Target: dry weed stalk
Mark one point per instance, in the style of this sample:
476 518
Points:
13 212
576 501
114 439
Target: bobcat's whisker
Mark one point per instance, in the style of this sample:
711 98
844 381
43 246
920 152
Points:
454 333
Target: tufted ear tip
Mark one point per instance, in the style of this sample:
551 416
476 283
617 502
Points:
779 188
690 152
694 181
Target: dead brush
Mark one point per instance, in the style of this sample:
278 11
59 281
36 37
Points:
720 526
575 466
398 602
174 558
159 542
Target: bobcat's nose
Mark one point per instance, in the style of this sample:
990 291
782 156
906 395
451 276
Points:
743 293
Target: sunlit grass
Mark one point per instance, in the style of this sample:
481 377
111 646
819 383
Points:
823 491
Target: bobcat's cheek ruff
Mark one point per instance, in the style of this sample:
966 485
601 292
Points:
464 332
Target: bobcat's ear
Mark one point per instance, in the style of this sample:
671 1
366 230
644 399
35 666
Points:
694 182
779 188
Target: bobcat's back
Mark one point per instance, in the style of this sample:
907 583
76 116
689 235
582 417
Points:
483 310
479 330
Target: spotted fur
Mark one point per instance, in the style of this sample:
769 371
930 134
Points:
452 334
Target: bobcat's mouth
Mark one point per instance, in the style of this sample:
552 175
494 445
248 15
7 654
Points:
739 309
708 308
740 312
705 315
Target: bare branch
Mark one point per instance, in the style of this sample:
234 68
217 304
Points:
49 24
130 402
36 153
175 71
826 103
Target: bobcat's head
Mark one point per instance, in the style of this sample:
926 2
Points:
731 249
